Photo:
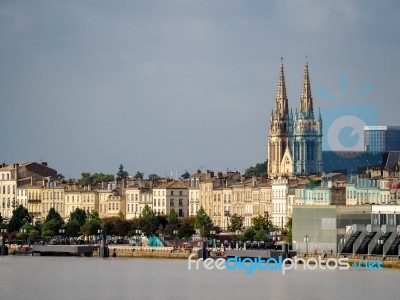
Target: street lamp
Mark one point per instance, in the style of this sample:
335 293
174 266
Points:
212 235
100 233
237 239
306 240
137 232
226 214
24 232
175 232
61 231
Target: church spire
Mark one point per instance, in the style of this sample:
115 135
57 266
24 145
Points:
281 98
306 102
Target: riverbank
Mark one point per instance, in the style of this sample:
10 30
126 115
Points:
147 252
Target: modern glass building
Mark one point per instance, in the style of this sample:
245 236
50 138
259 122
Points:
330 228
381 138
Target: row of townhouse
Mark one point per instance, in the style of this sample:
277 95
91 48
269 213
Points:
110 200
221 196
33 186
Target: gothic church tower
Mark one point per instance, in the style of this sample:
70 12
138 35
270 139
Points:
280 133
295 142
307 142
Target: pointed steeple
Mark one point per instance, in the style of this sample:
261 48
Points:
306 102
281 98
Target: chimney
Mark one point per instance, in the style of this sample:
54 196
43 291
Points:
44 163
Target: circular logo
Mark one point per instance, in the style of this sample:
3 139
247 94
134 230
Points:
345 133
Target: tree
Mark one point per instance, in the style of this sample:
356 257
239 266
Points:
78 215
154 177
257 170
101 177
1 219
148 221
122 227
53 215
94 179
172 224
185 175
203 222
139 175
92 224
86 179
288 230
186 229
236 223
72 228
19 218
59 176
122 174
258 223
173 217
52 223
248 234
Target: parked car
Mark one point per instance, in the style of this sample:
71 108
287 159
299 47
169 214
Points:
59 240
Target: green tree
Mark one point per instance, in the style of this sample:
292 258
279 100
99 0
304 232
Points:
173 217
53 215
72 228
86 179
19 218
148 221
153 177
59 176
186 229
203 222
122 227
173 223
259 223
92 224
139 175
101 177
288 231
185 175
79 215
257 170
121 215
248 234
52 223
236 223
122 174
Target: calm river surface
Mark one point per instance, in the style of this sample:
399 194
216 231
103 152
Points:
62 278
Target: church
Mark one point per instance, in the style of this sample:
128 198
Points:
295 138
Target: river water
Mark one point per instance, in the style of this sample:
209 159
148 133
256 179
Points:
62 278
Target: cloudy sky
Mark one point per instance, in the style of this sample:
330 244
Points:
163 86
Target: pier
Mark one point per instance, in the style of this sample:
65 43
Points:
64 250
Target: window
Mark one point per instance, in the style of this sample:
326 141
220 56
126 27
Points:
180 202
180 193
171 202
180 212
172 193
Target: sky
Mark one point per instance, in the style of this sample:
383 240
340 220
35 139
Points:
169 86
